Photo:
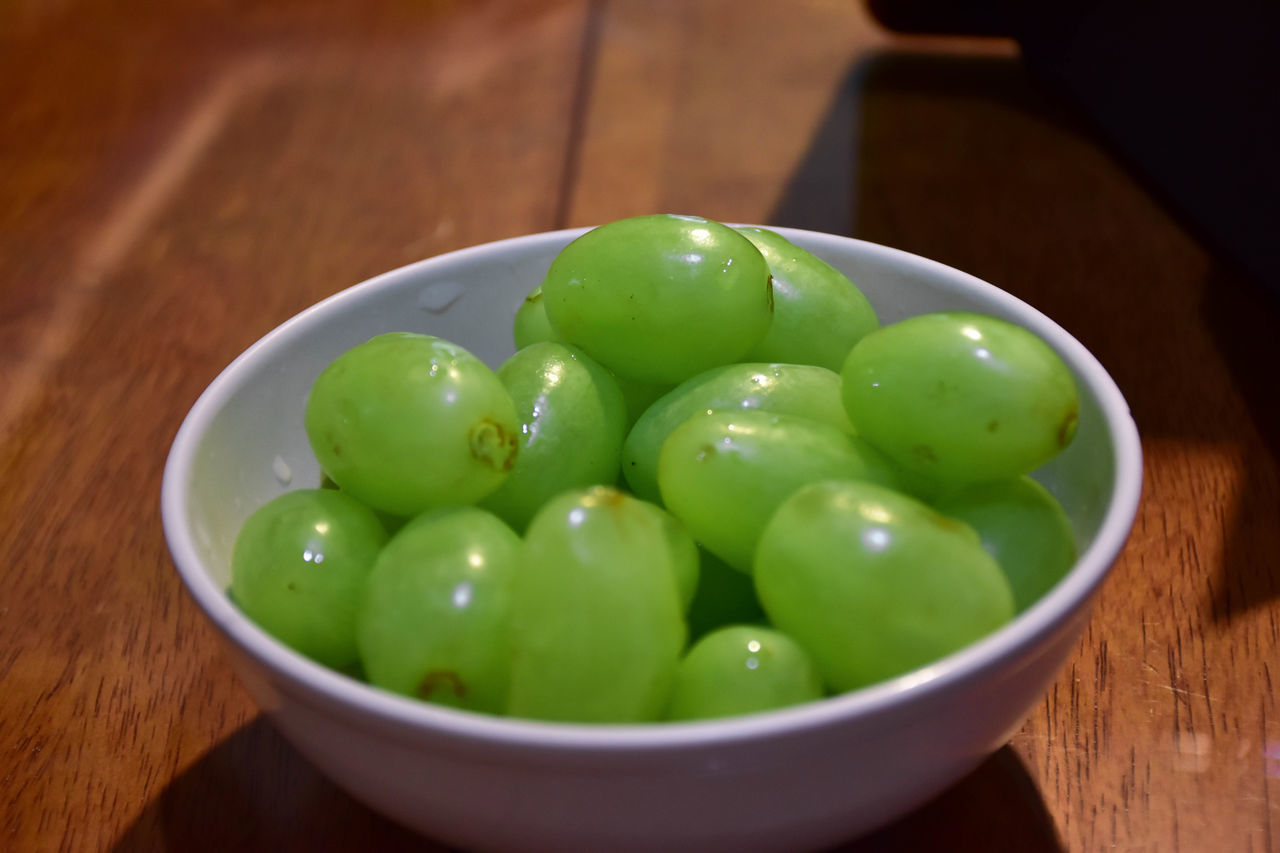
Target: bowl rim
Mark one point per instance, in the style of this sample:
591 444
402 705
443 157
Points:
1037 622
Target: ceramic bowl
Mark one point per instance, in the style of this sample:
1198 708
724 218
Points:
798 778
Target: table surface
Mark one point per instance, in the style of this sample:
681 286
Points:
177 179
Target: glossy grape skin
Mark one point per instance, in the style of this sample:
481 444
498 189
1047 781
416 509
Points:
725 596
390 523
789 389
660 298
686 558
531 325
960 398
573 420
298 568
873 583
407 422
434 620
742 669
818 313
1023 527
725 473
639 396
597 626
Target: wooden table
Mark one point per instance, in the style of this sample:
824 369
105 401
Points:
177 179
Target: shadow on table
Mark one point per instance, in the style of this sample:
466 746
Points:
995 809
967 161
254 792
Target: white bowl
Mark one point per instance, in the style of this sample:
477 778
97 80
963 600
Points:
803 777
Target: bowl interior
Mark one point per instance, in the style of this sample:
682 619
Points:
244 441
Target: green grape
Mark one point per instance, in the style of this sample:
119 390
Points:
725 596
660 298
725 473
573 420
531 323
960 398
639 396
1023 527
686 561
437 605
818 313
597 627
298 567
742 669
408 422
873 583
788 389
390 523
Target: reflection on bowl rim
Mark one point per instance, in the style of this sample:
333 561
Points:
1041 619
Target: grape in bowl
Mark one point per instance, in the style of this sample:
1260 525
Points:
805 776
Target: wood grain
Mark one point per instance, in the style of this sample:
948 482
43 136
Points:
177 179
311 167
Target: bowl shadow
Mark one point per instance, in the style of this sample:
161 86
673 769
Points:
254 792
964 817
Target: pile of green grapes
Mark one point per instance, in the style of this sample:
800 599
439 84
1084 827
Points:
707 483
